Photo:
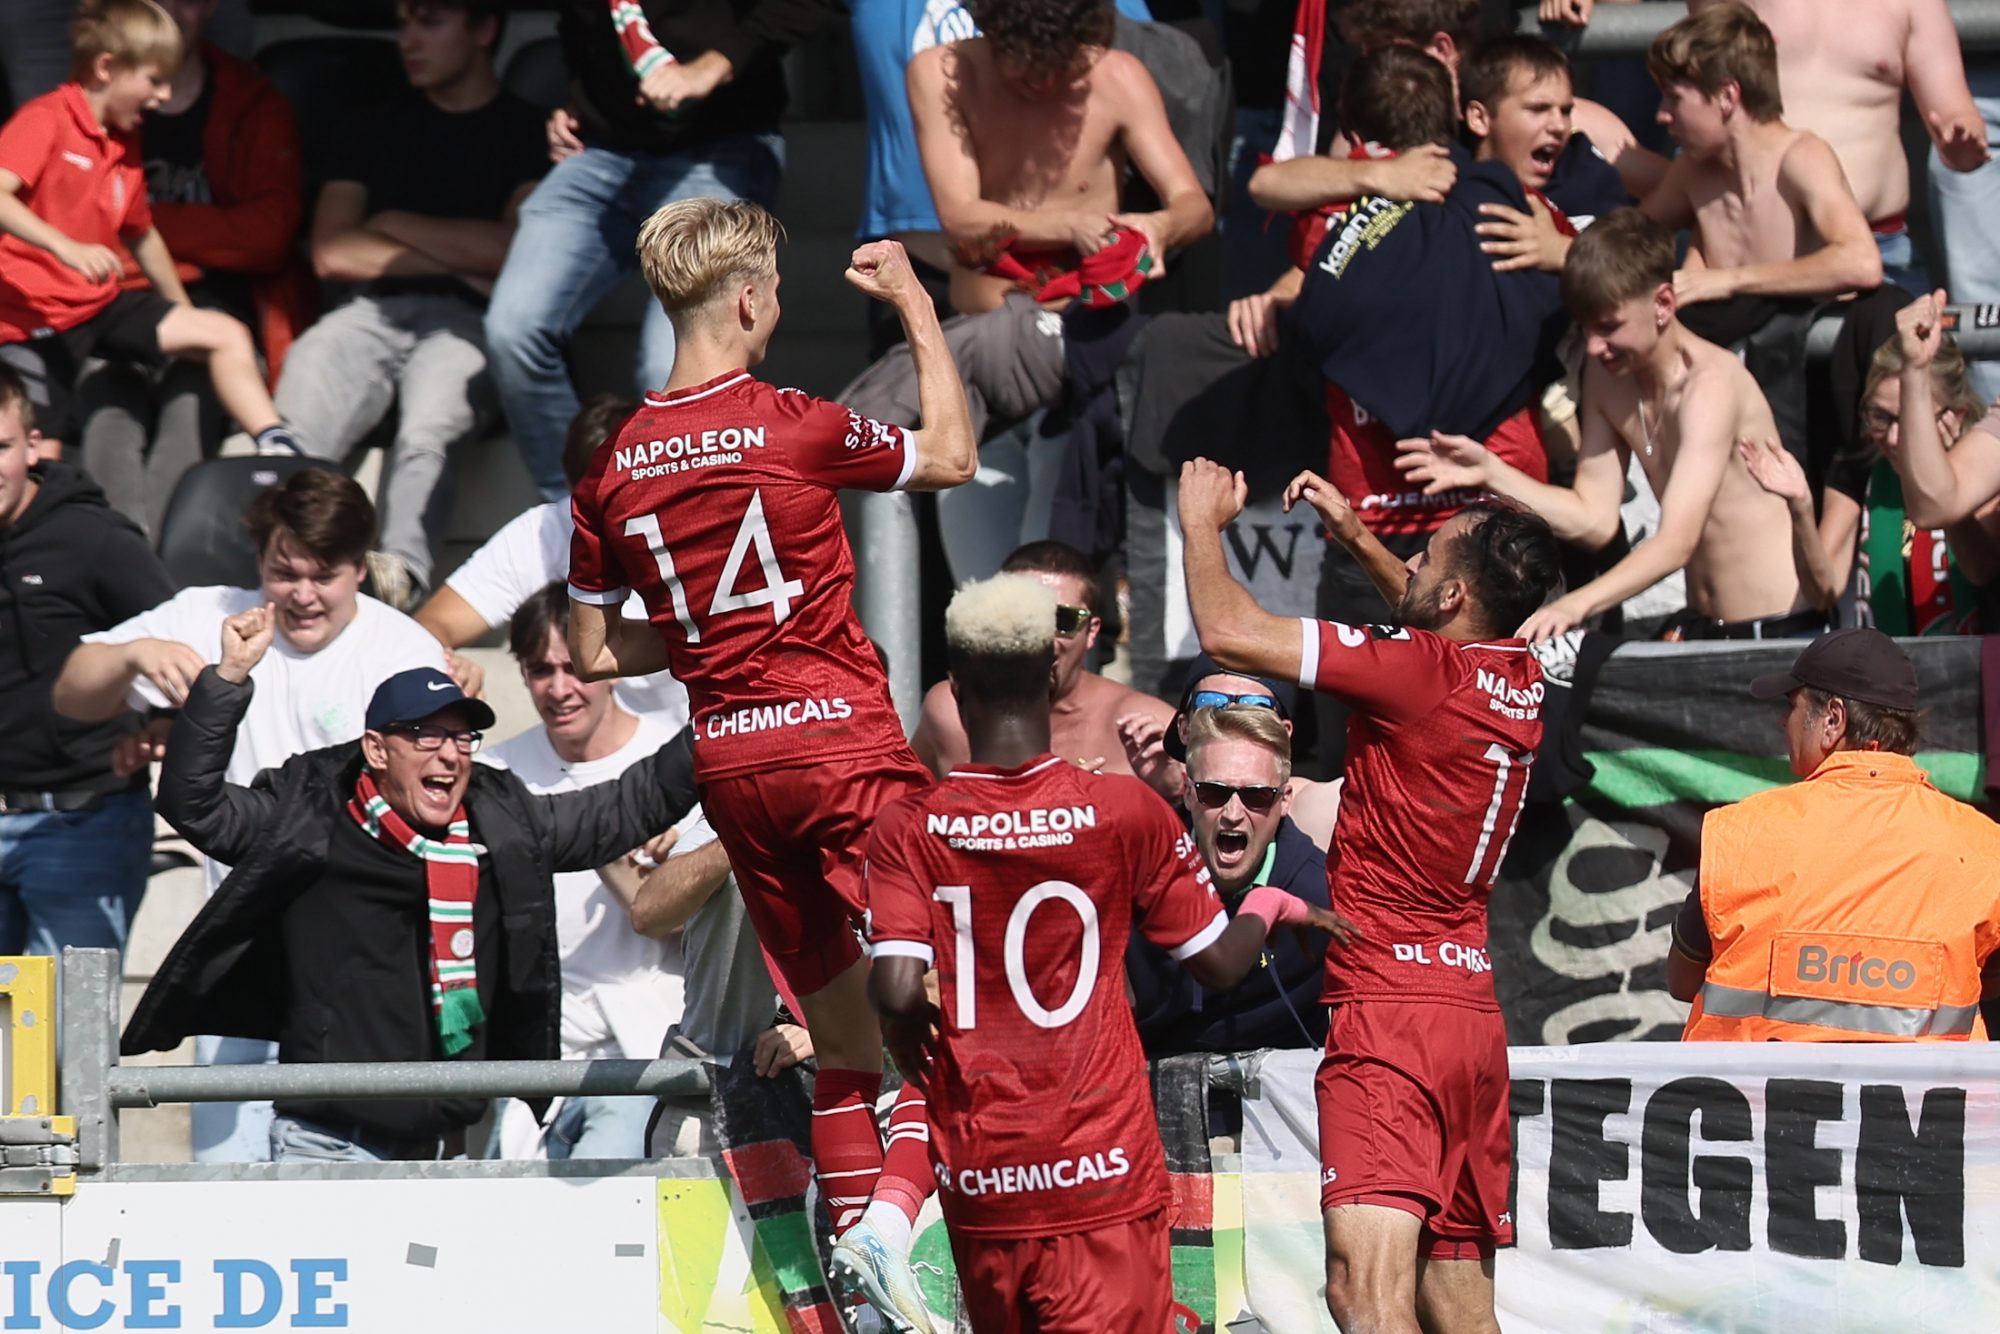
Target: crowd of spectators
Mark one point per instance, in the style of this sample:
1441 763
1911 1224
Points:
1387 235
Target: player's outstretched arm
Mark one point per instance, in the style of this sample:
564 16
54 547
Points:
1263 912
947 451
909 1018
1240 635
603 644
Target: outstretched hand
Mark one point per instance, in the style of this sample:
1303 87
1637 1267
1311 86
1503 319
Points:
1280 908
1332 507
1961 145
1518 240
1773 467
1443 462
1557 618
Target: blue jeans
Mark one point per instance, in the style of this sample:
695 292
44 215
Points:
296 1141
1963 207
74 877
599 1128
1901 265
573 243
232 1132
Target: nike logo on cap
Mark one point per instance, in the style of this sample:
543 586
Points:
437 685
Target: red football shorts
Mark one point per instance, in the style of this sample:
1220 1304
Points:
1117 1278
1413 1115
796 840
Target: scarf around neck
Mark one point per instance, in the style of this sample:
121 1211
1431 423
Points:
451 877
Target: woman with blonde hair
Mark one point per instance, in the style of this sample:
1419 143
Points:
1913 580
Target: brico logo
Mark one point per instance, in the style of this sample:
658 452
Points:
1817 963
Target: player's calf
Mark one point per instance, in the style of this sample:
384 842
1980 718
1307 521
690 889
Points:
1371 1268
1456 1296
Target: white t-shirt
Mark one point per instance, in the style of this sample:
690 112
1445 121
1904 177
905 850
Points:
621 990
303 701
529 553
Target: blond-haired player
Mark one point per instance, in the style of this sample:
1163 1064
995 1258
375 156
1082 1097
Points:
718 503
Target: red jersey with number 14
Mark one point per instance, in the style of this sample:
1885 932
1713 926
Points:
1021 886
718 504
1438 748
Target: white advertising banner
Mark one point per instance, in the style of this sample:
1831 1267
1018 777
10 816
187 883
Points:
390 1257
1697 1187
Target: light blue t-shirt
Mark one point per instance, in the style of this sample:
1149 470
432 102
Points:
886 34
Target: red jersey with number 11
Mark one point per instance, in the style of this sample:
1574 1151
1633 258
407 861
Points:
1438 749
1021 886
718 504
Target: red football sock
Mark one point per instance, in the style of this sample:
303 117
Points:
847 1149
907 1174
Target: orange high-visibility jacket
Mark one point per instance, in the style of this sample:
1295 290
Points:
1856 906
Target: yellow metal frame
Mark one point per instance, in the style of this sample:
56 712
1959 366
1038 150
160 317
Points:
29 985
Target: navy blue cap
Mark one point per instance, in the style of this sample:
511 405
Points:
414 695
1200 669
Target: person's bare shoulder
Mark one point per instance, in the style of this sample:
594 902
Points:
1118 78
1125 701
1810 162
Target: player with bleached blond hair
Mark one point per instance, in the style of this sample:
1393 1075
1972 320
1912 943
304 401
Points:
718 502
1019 878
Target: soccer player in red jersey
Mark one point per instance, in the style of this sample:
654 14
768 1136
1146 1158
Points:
1446 718
718 501
1019 878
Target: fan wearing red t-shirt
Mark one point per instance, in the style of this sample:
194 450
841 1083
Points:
73 189
1445 721
1019 878
718 502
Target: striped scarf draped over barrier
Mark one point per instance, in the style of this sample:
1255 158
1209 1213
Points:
451 877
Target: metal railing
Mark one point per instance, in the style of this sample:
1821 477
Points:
95 1087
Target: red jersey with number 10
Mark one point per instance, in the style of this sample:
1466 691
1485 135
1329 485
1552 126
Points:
1021 886
1438 749
718 504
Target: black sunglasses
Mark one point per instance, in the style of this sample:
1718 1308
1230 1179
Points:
1256 799
1222 699
1070 621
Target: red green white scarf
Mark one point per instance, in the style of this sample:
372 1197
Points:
643 51
451 874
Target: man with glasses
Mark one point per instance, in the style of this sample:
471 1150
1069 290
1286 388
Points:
390 899
1239 763
1087 709
333 646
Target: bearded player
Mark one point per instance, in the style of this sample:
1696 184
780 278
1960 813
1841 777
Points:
718 501
1414 1134
1019 878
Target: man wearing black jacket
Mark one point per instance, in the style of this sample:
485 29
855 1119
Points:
669 99
75 835
1238 766
391 900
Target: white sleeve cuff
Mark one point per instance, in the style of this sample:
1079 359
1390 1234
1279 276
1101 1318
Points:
610 597
1202 939
903 949
909 458
1308 653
